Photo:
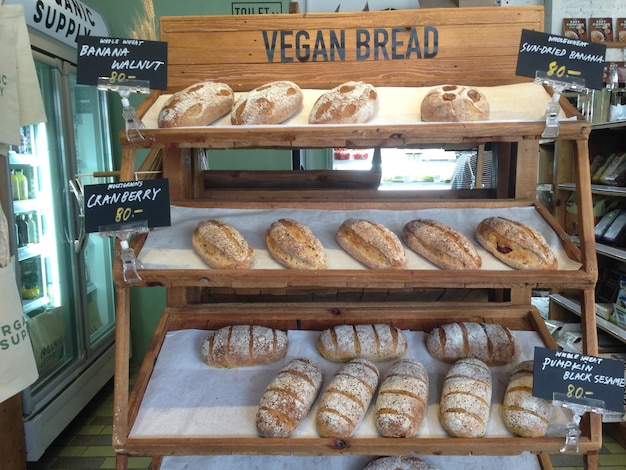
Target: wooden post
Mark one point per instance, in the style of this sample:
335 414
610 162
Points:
12 444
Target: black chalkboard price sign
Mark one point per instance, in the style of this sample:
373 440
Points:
578 377
120 60
560 58
118 206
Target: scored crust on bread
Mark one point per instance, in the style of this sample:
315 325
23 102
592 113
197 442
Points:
197 105
378 342
271 103
454 103
403 462
294 245
220 245
349 103
372 244
515 244
441 244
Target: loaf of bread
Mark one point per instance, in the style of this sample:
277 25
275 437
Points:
372 244
441 244
466 399
197 105
244 345
288 398
516 244
524 414
404 462
294 245
402 399
346 399
454 103
493 344
271 103
376 343
220 245
348 103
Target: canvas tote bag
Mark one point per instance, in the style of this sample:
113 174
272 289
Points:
9 107
18 369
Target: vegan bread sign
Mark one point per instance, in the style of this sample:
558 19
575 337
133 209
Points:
118 206
561 58
121 59
578 377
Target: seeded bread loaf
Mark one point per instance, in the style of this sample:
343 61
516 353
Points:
493 344
294 245
393 462
197 105
372 244
349 103
466 399
524 414
441 244
454 103
271 103
376 343
288 398
516 244
345 401
244 345
402 399
220 245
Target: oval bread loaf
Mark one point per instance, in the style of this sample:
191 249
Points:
271 103
349 103
518 245
402 399
394 462
524 414
288 398
346 399
493 344
376 343
372 244
441 244
220 245
454 103
197 105
294 245
466 399
244 345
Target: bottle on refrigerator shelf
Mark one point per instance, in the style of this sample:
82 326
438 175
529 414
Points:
33 234
22 230
22 184
15 187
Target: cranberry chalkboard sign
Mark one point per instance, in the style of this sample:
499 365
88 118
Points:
578 377
563 59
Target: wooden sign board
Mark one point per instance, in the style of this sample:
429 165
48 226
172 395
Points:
117 206
578 377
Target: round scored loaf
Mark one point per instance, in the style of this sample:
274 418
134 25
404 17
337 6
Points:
244 345
347 397
379 342
524 414
441 244
288 398
515 244
294 245
454 103
372 244
493 344
220 245
271 103
349 103
404 462
466 399
402 399
197 105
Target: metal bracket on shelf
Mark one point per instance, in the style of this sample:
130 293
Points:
578 409
132 122
552 109
130 263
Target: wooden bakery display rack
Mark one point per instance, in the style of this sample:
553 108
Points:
400 50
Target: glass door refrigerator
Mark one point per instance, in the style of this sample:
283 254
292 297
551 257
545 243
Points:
64 275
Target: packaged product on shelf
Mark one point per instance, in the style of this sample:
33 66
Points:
575 28
621 29
22 184
601 29
619 311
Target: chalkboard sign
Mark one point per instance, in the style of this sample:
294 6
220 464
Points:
117 206
577 377
121 59
564 59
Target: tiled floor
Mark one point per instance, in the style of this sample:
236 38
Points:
86 444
